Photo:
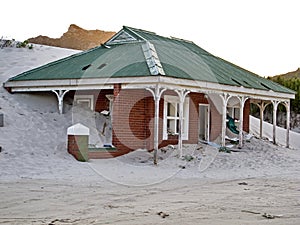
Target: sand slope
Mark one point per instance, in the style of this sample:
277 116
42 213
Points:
280 133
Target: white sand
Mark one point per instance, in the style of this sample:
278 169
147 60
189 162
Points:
280 133
41 183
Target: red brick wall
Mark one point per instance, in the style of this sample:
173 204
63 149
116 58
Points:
117 89
133 119
130 130
215 122
195 100
78 147
102 103
72 144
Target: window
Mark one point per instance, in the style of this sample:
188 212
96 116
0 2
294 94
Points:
171 117
234 112
85 101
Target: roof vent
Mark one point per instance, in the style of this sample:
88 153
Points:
265 86
101 66
237 82
86 67
246 83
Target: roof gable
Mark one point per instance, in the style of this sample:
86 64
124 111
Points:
122 37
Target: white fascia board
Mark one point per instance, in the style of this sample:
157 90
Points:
74 88
76 84
79 82
143 82
208 87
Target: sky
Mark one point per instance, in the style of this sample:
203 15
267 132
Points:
262 36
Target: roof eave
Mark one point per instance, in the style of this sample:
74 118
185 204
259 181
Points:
142 82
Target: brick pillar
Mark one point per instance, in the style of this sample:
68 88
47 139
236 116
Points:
117 89
246 124
115 113
78 140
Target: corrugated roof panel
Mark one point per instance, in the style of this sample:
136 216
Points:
115 59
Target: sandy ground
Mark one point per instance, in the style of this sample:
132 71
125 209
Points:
40 183
230 188
182 201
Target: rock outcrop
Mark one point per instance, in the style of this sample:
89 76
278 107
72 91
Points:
75 38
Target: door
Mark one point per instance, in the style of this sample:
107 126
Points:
204 112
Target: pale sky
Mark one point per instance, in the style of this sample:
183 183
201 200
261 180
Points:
262 36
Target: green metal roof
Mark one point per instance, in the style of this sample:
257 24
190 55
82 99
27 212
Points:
124 55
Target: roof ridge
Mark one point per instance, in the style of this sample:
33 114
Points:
132 29
153 33
146 31
152 59
171 38
181 39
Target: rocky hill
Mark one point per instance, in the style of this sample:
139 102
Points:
289 75
75 38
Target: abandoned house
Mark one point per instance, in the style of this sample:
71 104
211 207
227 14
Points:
158 91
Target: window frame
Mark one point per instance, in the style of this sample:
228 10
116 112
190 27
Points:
234 112
175 101
85 98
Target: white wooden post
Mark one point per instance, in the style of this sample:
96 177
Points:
181 94
225 97
275 106
111 101
262 106
261 115
287 106
157 92
242 100
60 97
